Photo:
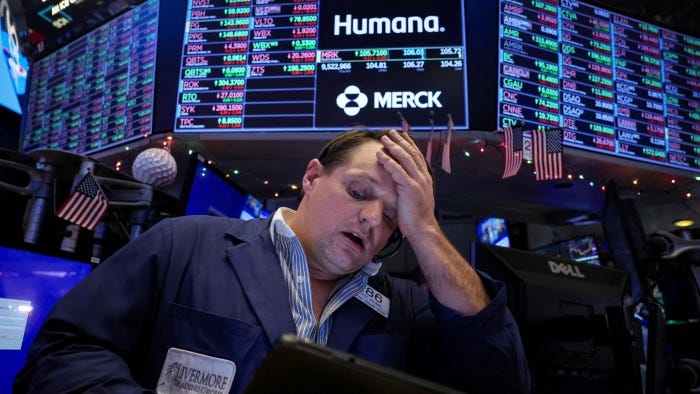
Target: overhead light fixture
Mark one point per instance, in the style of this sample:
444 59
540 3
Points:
683 223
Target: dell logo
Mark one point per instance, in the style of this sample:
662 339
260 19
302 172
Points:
566 269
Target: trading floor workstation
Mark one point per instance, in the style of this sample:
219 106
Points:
564 137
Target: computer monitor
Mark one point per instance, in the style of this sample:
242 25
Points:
616 84
493 231
13 62
573 319
30 284
208 191
97 91
314 66
582 249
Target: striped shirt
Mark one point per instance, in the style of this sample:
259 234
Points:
296 276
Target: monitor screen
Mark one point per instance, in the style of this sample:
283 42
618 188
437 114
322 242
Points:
617 85
210 192
573 319
97 91
253 208
580 249
13 62
493 231
312 65
30 284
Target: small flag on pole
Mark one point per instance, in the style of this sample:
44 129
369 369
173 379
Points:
547 153
86 205
513 139
446 149
429 148
404 124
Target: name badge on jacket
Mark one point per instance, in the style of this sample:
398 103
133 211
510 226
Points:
375 300
186 372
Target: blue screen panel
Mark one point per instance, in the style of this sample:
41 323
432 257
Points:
493 231
30 284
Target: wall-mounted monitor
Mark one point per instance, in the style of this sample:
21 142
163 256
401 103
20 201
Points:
96 91
616 84
493 231
315 66
30 284
580 249
208 191
13 62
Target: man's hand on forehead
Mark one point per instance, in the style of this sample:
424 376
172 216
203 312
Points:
404 162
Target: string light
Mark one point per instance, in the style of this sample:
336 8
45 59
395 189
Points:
635 181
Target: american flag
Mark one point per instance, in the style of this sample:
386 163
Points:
546 153
86 205
429 148
514 150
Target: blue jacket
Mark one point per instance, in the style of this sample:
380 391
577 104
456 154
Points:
214 286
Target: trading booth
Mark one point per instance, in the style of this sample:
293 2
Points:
565 137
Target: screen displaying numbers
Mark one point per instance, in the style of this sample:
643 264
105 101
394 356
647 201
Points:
311 65
613 83
97 91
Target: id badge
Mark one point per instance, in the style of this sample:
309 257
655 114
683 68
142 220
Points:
186 372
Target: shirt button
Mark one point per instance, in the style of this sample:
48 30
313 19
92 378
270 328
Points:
300 279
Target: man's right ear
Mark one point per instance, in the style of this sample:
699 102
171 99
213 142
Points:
313 171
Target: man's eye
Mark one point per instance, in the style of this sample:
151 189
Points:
356 194
388 218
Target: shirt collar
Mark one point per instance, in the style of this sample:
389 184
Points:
279 227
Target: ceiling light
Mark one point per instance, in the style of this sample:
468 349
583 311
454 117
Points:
683 223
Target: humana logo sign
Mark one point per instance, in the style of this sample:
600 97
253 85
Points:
383 25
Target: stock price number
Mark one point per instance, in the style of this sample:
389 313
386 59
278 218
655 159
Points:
413 64
451 63
455 51
336 66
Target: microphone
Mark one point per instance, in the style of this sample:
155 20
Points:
668 245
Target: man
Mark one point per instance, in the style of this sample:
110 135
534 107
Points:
217 293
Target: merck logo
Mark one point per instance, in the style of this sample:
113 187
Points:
566 269
352 100
383 25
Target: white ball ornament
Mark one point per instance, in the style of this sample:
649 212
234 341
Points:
154 166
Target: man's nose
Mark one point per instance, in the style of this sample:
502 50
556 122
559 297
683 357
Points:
371 213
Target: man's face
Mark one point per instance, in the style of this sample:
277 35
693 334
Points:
348 213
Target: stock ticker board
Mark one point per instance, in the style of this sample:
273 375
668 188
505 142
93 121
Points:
298 65
97 91
615 84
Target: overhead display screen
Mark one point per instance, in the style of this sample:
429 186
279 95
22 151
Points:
312 65
97 91
615 84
